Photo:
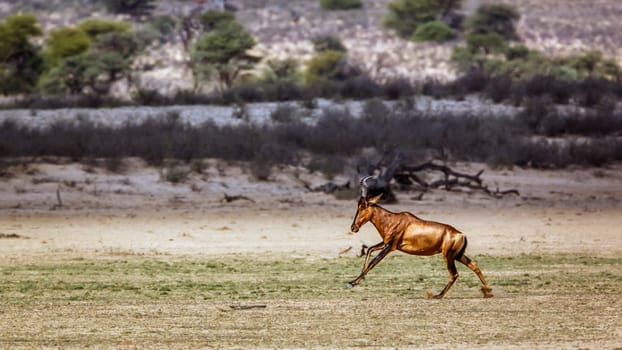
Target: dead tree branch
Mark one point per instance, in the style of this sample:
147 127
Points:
450 180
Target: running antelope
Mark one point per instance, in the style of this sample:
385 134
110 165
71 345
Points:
407 233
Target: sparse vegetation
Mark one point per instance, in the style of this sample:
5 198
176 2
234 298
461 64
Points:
340 4
189 292
586 138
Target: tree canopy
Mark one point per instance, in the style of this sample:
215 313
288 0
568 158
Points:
404 16
223 52
20 62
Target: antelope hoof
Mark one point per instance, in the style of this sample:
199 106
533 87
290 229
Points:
352 284
487 291
431 295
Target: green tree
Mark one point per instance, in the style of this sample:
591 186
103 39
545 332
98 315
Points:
223 53
433 31
65 42
90 72
125 44
81 63
20 61
494 18
95 27
404 16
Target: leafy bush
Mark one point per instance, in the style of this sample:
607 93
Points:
328 43
281 71
329 66
340 4
404 16
213 19
494 18
95 27
433 31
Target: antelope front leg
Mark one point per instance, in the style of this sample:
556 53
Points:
369 251
386 249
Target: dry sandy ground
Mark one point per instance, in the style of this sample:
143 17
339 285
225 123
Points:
137 213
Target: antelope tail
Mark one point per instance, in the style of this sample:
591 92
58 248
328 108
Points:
461 252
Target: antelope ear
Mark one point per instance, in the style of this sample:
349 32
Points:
375 199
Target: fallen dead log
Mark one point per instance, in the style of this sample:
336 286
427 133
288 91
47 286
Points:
450 180
232 198
414 177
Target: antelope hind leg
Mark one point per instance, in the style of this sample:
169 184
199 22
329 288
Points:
453 275
485 288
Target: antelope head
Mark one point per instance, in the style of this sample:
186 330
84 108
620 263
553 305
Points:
363 208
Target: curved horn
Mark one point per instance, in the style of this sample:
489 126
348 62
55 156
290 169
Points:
364 186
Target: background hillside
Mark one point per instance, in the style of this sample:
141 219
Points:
284 29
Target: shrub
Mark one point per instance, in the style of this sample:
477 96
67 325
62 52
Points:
359 87
486 43
396 89
324 65
336 138
96 27
213 19
494 18
284 113
433 31
329 66
516 52
284 90
535 110
499 88
340 4
328 43
281 70
404 16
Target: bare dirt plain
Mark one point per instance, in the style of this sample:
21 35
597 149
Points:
132 261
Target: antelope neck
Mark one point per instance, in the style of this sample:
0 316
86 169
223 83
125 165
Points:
379 218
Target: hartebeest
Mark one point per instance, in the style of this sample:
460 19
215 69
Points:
407 233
